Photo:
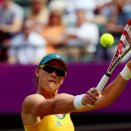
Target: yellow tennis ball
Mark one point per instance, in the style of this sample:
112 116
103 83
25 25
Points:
107 40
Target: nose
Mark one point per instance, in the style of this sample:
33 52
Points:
53 73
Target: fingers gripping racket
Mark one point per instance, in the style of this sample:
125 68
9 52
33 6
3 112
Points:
123 48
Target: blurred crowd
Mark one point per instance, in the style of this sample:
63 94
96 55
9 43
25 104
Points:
30 29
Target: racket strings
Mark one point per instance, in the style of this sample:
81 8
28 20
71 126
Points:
129 34
125 41
117 57
126 45
123 47
129 31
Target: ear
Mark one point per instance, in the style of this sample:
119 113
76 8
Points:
37 72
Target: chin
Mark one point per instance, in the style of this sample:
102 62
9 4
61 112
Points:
52 86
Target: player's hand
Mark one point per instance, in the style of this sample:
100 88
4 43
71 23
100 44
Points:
91 97
129 64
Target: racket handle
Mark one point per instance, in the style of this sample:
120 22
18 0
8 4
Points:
101 85
102 82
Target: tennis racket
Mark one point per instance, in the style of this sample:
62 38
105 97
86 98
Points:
123 48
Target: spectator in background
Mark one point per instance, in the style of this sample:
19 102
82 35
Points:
58 4
118 17
87 5
90 7
102 11
27 47
39 14
116 23
10 24
53 32
118 13
84 34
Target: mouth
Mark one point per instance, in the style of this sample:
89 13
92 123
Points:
52 81
52 84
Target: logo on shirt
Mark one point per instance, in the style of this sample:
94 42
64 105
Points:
58 123
60 116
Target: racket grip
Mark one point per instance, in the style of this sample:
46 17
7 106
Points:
102 82
101 85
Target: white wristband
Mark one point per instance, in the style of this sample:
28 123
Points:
78 101
126 73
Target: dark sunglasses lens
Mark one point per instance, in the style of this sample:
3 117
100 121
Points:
60 72
49 69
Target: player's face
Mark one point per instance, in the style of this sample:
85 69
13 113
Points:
6 3
50 81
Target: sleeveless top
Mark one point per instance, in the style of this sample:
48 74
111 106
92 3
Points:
57 122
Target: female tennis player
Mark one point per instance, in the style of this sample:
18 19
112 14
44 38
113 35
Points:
49 111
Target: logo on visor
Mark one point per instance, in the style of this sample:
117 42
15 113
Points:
57 56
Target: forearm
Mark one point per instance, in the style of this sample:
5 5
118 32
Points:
109 94
114 28
113 90
64 105
60 104
13 28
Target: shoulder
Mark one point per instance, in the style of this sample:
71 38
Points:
17 11
32 100
28 108
15 7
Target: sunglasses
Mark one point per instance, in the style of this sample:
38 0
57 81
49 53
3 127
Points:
50 69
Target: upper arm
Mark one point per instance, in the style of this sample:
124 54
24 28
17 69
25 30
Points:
17 22
37 105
